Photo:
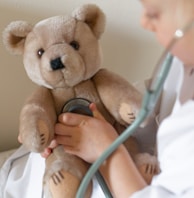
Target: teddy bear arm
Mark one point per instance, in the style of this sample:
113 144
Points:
120 98
37 120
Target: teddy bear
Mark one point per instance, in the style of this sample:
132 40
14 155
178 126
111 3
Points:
62 55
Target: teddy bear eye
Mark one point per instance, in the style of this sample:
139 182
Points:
75 45
40 52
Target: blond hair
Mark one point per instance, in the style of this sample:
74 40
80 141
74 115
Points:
184 12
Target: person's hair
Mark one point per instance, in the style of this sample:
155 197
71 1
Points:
185 12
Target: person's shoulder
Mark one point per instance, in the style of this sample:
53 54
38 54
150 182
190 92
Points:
177 65
175 74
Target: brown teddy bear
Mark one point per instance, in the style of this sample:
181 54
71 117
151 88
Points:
62 55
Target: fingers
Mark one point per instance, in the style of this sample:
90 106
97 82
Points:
66 141
68 135
47 151
53 144
95 112
72 119
65 130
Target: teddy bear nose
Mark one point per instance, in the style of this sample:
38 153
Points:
57 64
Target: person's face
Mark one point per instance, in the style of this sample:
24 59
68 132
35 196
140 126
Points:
160 17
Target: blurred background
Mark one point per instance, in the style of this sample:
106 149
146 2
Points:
127 49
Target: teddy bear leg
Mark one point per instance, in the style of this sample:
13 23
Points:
63 184
63 175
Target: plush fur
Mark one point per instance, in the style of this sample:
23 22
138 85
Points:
62 55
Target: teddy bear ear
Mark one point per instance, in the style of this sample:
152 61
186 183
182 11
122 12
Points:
93 16
14 36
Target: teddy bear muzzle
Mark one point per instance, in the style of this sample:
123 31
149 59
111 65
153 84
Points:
57 64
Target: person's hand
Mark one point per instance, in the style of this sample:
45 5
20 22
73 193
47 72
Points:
47 151
84 136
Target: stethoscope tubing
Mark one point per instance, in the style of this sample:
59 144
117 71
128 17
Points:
149 101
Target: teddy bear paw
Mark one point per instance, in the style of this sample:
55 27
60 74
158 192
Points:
57 177
44 133
148 171
39 138
36 129
147 165
127 114
62 184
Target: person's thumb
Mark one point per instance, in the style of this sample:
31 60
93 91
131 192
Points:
20 139
95 112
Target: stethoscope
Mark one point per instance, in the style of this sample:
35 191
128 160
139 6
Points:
153 91
150 99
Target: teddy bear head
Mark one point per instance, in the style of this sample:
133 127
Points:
60 51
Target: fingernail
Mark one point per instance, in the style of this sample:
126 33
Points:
53 144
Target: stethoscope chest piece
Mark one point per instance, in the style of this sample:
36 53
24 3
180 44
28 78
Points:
77 105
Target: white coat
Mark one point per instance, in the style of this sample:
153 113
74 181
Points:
175 139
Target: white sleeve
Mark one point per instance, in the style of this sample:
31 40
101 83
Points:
23 171
21 174
160 192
